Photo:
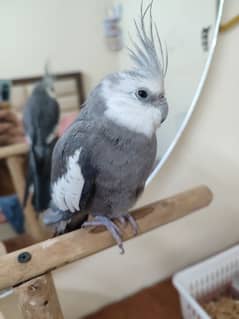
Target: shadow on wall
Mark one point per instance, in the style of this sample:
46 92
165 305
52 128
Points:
72 308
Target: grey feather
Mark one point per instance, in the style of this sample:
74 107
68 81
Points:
144 54
113 161
48 79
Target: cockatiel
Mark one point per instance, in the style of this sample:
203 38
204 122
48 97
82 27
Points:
100 165
40 118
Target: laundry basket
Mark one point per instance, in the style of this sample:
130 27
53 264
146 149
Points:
202 280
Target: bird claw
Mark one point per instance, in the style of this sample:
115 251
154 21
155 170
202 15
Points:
133 224
122 220
129 219
111 227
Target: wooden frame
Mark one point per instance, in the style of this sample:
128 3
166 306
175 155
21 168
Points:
14 157
13 150
28 270
59 76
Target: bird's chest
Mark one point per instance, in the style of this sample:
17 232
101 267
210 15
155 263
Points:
124 160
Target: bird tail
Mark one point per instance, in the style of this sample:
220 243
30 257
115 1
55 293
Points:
56 219
31 176
53 216
38 177
28 185
63 221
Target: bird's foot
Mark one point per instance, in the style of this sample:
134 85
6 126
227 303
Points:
129 219
111 227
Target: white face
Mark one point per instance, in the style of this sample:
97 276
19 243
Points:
51 93
136 103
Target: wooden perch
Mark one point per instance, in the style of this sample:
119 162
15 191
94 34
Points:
13 150
23 265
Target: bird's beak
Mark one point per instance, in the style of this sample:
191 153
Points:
164 111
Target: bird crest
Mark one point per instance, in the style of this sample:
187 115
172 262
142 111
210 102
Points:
147 53
48 78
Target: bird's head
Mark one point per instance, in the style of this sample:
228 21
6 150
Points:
136 98
47 82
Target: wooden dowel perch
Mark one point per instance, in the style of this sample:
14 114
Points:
23 265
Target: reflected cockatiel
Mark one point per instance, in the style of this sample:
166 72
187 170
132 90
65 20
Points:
100 165
40 119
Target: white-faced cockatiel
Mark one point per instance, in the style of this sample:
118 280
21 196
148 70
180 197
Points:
40 119
100 165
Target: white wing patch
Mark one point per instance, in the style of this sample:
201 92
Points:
68 188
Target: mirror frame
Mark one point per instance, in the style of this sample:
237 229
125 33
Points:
192 107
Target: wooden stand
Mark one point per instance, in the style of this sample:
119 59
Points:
14 159
38 299
37 295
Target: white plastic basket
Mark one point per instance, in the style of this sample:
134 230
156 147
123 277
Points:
203 279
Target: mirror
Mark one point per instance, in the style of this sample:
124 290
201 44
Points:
82 47
190 34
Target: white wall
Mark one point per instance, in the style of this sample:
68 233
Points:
207 153
69 33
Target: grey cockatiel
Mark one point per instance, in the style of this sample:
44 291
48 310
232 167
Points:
101 163
40 118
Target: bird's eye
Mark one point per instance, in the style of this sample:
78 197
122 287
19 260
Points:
161 96
143 94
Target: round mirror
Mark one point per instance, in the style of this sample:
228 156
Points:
189 28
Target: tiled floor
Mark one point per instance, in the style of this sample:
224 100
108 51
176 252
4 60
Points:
160 301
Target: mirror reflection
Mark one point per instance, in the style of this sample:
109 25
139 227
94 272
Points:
81 43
